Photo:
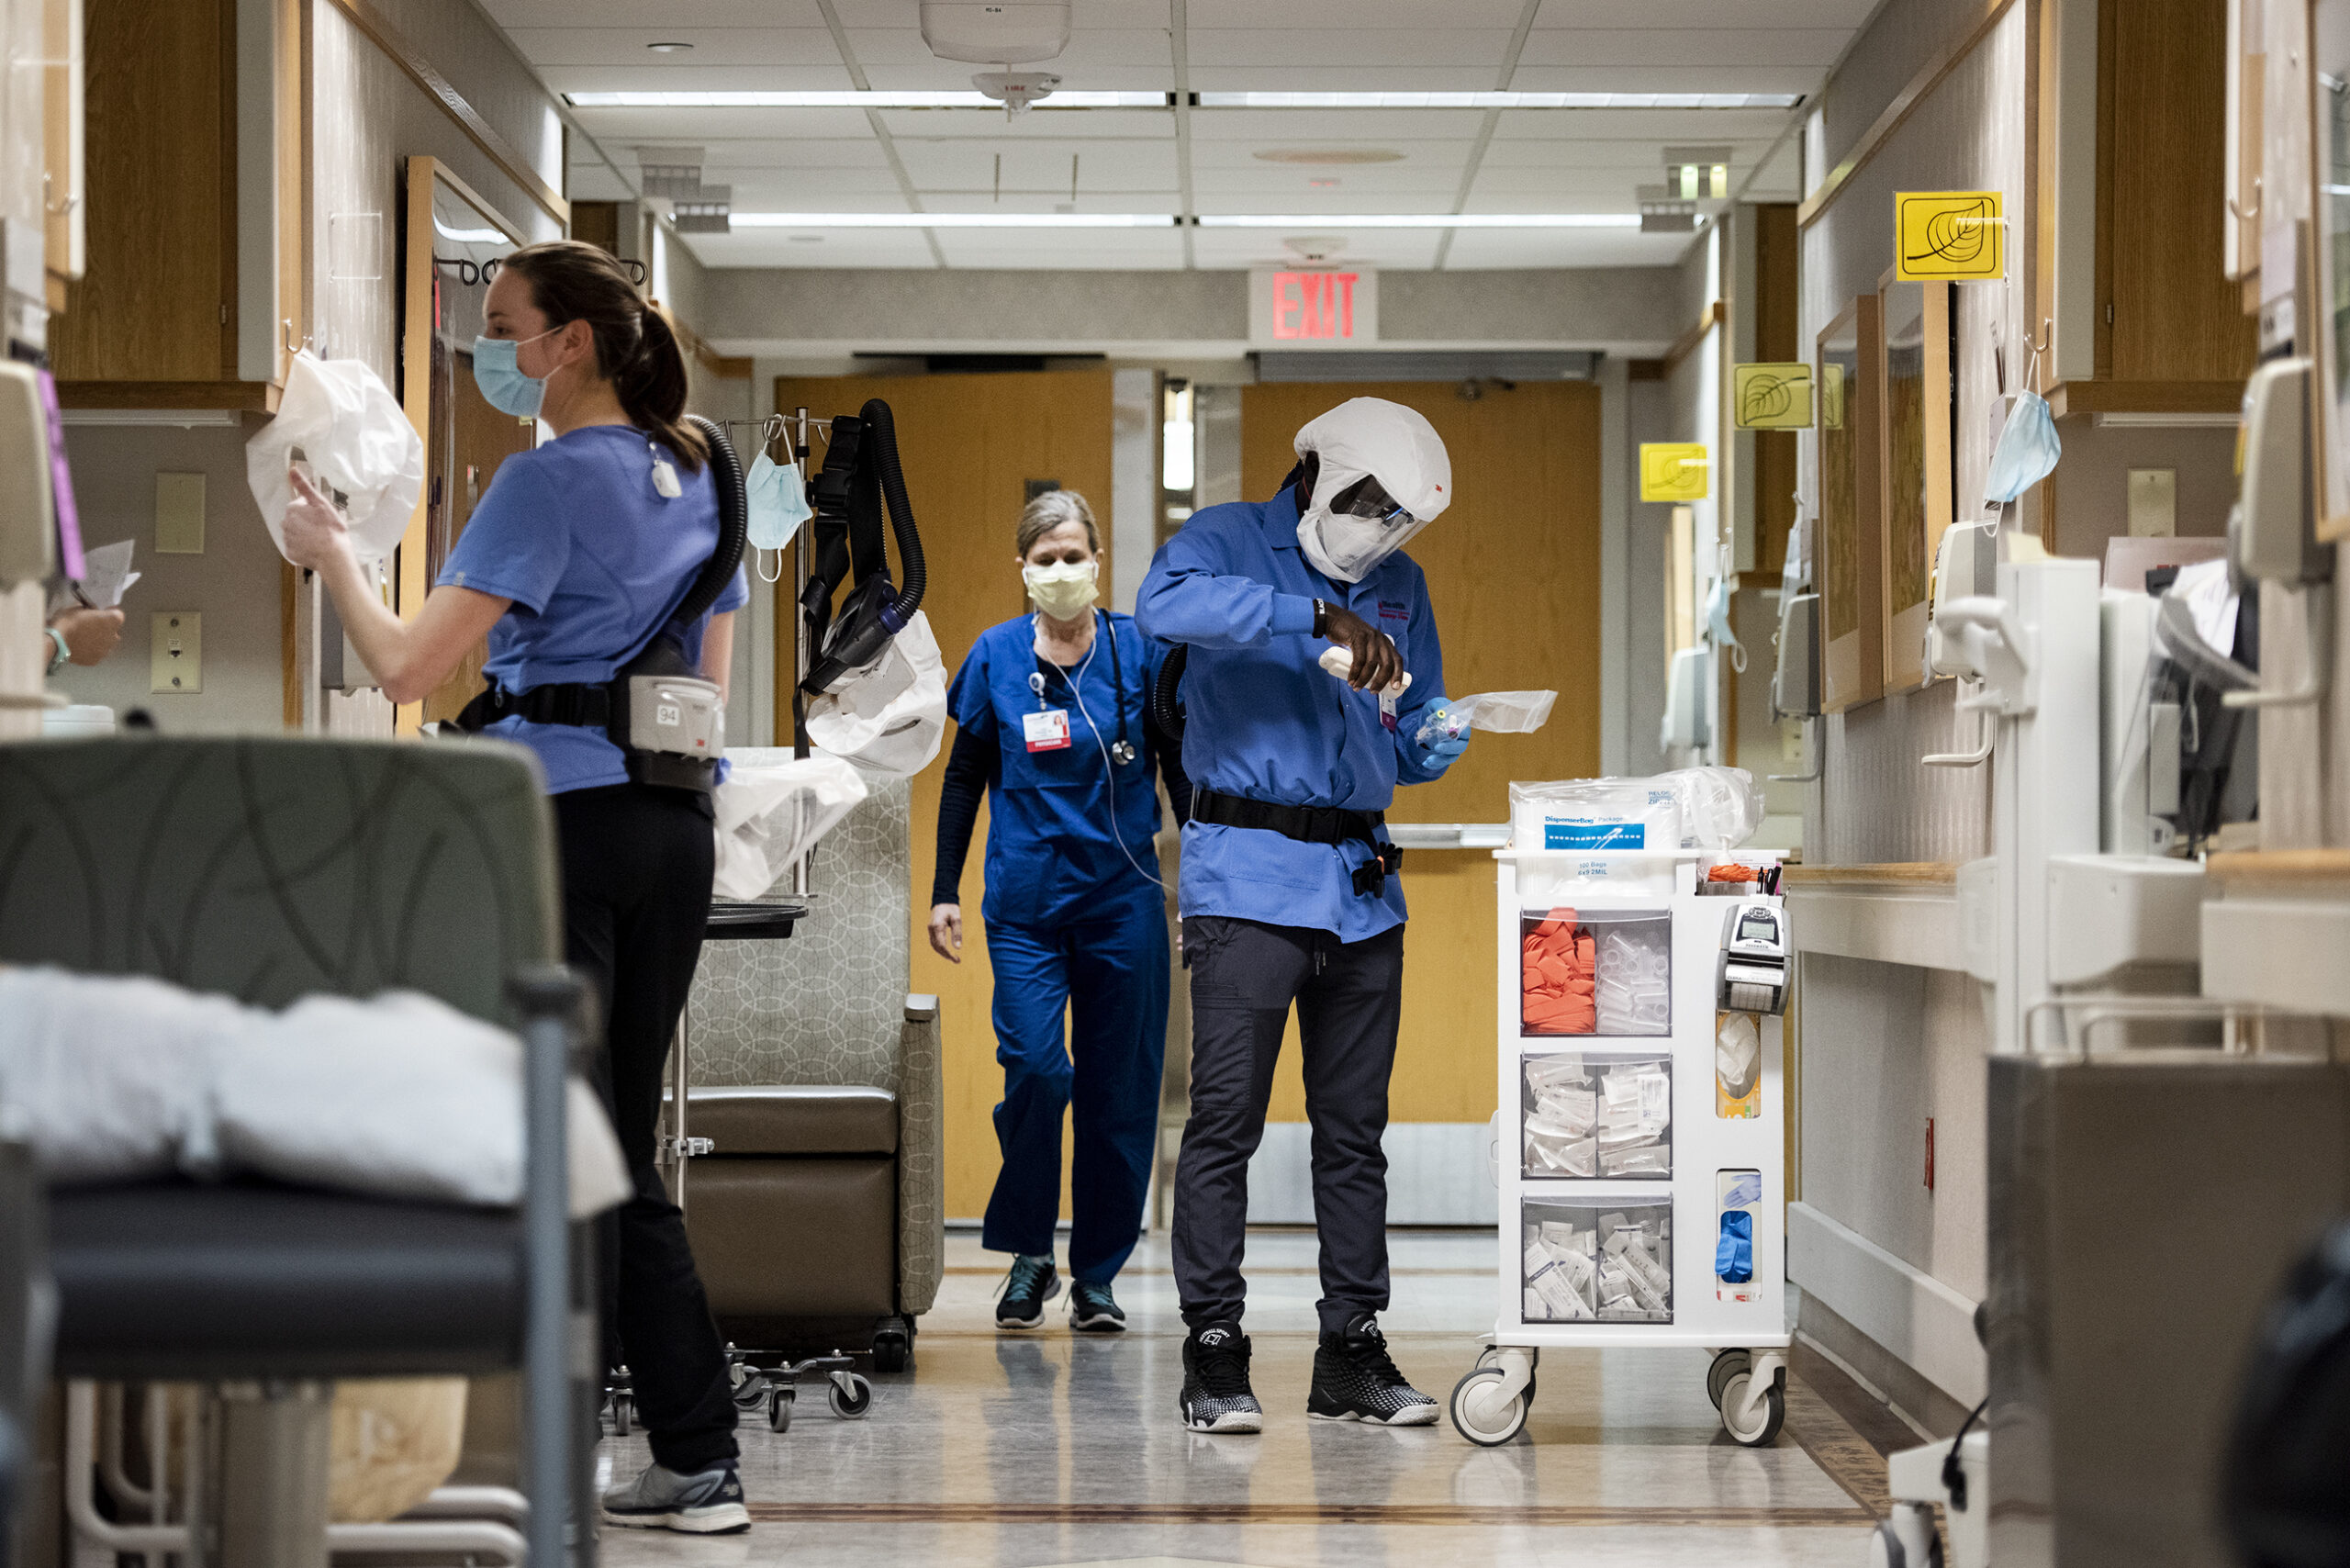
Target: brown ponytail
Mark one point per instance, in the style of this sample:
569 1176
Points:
636 344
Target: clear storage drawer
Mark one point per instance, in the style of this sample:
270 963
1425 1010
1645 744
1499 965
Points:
1594 1115
1605 1260
1603 973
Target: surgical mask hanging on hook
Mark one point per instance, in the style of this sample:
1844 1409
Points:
1718 627
778 504
2026 452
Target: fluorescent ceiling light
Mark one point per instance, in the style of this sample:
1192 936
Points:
856 100
1422 220
953 220
1499 100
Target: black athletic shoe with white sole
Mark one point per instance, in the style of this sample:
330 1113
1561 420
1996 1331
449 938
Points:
1356 1380
1093 1310
709 1503
1217 1396
1027 1287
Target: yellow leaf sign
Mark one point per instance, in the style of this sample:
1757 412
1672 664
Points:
1673 471
1949 237
1771 397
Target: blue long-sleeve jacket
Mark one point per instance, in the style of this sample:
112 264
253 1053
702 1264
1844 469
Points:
1266 722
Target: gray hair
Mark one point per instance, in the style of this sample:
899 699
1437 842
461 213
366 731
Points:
1051 509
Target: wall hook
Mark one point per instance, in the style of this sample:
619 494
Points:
2240 215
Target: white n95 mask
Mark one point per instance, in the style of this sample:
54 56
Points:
1062 591
1383 477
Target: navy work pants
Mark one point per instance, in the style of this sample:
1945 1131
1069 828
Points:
1245 975
1106 973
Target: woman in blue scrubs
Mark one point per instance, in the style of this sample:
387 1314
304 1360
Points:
1051 713
582 552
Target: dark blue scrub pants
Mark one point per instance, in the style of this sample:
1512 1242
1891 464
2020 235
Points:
1107 970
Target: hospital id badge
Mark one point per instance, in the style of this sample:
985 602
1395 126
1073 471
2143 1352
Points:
1048 730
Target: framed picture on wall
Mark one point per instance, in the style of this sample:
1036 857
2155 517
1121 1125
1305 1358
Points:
2330 165
1851 536
1914 446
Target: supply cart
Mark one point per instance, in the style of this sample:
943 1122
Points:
1640 1162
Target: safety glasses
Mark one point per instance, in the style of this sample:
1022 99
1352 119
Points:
1367 498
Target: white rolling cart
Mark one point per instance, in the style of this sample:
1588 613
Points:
1611 1214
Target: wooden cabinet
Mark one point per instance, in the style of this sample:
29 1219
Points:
153 321
2170 334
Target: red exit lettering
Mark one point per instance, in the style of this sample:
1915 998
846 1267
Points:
1314 304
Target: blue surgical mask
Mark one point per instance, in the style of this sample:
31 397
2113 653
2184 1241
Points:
2026 452
1717 624
501 381
778 502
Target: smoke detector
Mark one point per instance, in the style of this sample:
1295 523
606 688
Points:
1314 246
1016 90
995 32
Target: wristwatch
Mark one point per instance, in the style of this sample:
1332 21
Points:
1321 619
57 660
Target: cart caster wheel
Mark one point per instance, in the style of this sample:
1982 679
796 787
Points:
893 1348
623 1415
779 1410
1726 1365
751 1393
1475 1414
850 1394
1490 1356
1907 1539
1754 1429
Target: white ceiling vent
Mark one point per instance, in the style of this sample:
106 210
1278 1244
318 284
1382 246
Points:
995 32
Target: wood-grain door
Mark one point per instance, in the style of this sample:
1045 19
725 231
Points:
971 446
1513 573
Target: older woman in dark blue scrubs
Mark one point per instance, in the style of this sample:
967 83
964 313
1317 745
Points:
1052 715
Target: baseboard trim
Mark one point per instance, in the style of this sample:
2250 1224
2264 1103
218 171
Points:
1920 1323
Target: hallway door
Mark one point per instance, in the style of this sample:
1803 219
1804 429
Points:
1512 572
970 445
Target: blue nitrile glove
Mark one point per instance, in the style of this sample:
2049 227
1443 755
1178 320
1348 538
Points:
1734 1253
1439 756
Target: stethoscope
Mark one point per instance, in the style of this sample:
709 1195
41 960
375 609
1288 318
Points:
1121 750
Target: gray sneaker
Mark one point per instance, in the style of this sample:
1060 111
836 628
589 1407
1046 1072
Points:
709 1502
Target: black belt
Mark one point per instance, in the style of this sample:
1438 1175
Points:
1309 825
590 706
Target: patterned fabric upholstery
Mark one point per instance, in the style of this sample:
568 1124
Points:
271 867
829 1006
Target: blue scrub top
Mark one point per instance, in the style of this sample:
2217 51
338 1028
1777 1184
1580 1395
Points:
1051 856
596 561
1266 722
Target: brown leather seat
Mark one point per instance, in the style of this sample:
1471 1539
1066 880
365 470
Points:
796 1119
793 1213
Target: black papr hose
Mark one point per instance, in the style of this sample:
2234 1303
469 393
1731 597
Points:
734 525
1167 693
883 426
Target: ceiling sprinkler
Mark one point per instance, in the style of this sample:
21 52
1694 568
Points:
1314 246
1016 90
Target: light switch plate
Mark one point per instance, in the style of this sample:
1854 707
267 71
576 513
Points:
179 514
175 644
2153 503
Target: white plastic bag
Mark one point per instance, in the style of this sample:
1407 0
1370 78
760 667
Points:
770 813
890 718
341 419
1721 808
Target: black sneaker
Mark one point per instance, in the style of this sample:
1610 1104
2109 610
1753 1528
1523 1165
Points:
1356 1380
1030 1284
1217 1396
1093 1310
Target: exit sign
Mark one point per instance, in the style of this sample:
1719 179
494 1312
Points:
1301 307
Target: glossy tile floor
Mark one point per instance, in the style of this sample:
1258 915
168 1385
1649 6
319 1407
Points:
1049 1447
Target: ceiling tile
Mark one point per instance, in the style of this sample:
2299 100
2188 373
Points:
838 248
1474 249
1660 126
1037 125
1345 16
1409 248
1376 128
1700 15
1391 48
1685 46
636 14
699 128
712 46
1668 79
710 78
